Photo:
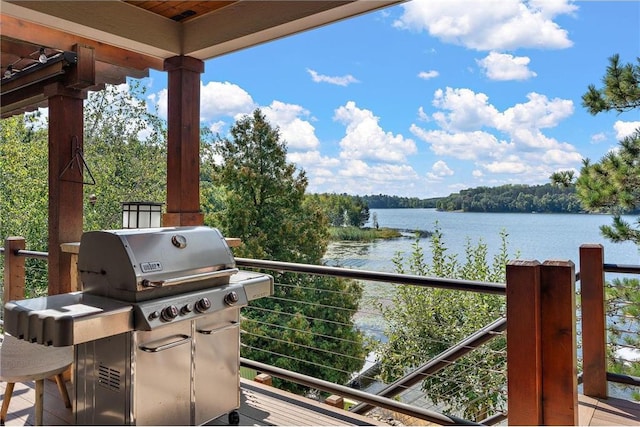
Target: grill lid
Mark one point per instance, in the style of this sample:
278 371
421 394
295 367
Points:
140 264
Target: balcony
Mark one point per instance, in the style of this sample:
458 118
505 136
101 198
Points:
545 377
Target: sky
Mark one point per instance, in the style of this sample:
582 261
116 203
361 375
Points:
430 97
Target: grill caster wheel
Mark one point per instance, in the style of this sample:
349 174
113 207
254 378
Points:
234 418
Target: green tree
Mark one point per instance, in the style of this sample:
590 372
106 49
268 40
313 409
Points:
342 209
423 322
621 91
24 192
125 149
308 325
612 185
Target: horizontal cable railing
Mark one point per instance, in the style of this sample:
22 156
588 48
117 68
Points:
623 326
402 279
283 315
610 338
445 374
369 398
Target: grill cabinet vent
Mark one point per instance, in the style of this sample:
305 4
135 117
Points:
109 377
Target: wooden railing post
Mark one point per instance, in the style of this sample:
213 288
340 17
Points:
559 349
14 273
594 358
524 366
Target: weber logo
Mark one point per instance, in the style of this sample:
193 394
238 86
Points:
148 267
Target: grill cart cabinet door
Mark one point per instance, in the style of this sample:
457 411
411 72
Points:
217 353
102 381
163 375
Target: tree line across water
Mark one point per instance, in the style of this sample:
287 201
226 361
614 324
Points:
510 198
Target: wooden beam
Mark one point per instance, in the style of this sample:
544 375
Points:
65 184
524 349
559 349
83 75
183 142
49 37
594 356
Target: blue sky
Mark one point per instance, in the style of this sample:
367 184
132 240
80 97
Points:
430 97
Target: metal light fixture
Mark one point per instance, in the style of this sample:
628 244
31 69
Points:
9 71
43 57
141 214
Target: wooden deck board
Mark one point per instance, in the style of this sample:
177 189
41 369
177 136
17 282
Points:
612 411
262 405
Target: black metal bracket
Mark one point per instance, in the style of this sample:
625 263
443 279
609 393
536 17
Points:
77 159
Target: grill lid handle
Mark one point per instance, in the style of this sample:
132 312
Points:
188 279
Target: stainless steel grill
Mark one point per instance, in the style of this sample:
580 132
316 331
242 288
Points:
156 327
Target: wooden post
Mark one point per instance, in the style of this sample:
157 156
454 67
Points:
65 181
335 401
593 320
559 349
14 273
524 352
265 379
183 142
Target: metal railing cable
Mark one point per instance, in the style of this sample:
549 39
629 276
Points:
376 276
358 395
618 327
439 362
404 388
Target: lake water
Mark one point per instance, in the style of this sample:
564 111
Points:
533 236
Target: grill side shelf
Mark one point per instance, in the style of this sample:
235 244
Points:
67 319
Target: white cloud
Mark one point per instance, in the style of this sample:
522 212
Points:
467 130
501 66
490 24
506 167
440 168
334 80
216 99
422 116
477 173
439 171
598 137
624 129
299 134
426 75
159 99
354 176
224 99
462 145
312 160
537 113
365 139
561 157
467 110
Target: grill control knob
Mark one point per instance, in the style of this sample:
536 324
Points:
231 298
203 305
169 313
186 309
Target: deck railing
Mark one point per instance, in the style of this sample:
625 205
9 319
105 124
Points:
541 350
450 369
600 325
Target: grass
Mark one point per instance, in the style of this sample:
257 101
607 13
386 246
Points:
357 234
